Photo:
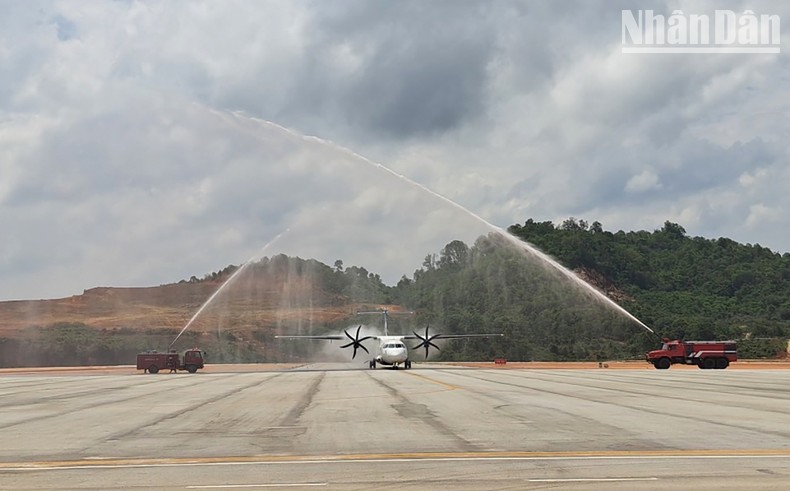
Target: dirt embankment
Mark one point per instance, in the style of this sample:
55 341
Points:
172 306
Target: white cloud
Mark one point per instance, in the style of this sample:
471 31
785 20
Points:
760 214
643 181
123 160
752 179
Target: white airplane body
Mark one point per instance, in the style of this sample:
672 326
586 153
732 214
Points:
392 351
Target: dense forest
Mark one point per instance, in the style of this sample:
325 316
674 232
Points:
685 287
678 286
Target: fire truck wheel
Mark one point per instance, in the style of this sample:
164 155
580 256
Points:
709 363
722 363
191 368
153 369
662 363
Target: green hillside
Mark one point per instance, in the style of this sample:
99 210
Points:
686 287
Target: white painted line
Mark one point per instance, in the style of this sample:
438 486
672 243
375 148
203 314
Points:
609 479
34 468
269 485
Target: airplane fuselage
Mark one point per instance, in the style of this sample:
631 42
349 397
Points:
391 351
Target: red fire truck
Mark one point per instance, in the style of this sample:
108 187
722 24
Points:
704 354
153 361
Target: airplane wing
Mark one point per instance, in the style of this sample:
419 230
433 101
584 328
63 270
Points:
454 336
356 341
426 341
334 338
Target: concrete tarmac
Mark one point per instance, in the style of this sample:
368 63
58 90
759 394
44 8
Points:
337 426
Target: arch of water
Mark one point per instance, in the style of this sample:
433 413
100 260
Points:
341 205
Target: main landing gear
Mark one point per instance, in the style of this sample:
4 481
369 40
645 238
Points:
406 365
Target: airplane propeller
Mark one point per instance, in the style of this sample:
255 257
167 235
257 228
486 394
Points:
426 341
356 342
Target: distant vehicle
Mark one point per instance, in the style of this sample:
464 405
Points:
391 350
154 361
704 354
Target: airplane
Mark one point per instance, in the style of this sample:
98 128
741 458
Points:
392 351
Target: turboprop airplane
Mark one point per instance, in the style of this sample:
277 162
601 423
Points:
392 351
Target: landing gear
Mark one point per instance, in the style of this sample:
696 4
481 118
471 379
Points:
372 364
407 364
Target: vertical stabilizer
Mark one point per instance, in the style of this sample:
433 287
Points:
385 313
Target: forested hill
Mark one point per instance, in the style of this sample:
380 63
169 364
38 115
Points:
687 287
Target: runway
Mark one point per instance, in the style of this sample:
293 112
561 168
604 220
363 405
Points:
335 426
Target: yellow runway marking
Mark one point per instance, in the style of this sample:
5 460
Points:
445 385
592 479
393 457
268 485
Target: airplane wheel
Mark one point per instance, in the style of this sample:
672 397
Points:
372 364
407 364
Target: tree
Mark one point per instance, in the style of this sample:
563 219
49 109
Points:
673 230
454 253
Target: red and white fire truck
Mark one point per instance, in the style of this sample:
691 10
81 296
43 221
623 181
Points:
153 361
704 354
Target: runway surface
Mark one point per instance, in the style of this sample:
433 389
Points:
334 426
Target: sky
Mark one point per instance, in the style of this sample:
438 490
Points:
142 143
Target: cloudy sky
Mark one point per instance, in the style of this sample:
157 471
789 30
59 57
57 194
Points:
146 142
